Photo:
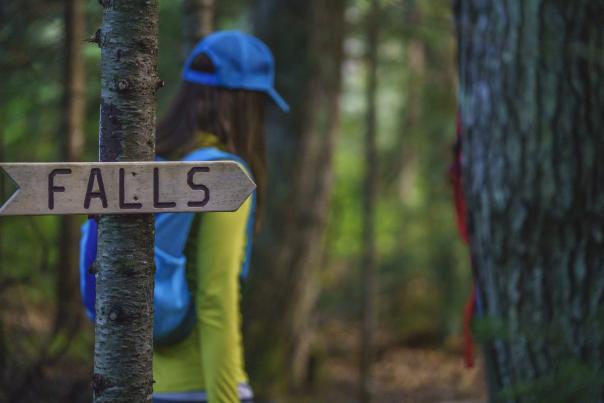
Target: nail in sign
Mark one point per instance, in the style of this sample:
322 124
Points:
126 187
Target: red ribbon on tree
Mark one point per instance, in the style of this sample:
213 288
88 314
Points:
455 176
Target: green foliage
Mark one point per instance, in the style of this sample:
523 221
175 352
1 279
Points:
424 274
580 384
424 270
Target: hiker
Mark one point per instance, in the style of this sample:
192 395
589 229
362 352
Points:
218 109
217 114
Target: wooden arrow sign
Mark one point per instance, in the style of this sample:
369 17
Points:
126 187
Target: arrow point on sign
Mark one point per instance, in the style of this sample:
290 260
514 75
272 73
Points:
8 189
61 188
248 185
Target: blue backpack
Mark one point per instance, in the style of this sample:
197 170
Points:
174 308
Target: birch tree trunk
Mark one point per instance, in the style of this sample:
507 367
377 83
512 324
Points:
125 264
300 149
198 20
69 306
370 193
531 86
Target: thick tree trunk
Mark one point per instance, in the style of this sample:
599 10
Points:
69 306
532 79
124 294
300 148
370 193
198 20
2 194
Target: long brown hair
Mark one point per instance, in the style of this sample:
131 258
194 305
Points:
235 116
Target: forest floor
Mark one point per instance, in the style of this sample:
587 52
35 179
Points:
401 374
405 375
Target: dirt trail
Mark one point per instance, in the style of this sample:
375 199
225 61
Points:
401 374
410 375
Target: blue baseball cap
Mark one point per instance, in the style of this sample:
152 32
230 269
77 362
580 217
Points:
242 61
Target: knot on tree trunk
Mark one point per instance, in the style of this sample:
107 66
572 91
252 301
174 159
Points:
159 84
99 384
93 269
117 314
122 85
106 3
95 38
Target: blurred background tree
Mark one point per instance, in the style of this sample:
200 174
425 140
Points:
300 148
198 20
71 139
369 193
303 299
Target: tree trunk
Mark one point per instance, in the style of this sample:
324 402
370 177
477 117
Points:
401 160
532 79
198 20
69 306
125 264
300 148
370 193
2 195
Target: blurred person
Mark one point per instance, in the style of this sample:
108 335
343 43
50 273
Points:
217 114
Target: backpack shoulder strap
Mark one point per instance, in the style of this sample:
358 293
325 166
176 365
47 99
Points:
215 154
172 229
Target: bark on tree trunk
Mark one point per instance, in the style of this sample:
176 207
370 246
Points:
68 297
2 197
532 79
125 264
198 20
300 148
370 193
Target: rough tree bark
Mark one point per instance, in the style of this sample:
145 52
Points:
69 306
370 193
124 296
199 17
300 148
2 200
532 106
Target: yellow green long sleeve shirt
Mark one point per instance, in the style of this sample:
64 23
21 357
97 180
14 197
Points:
211 357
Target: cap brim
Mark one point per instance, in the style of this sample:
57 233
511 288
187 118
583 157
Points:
278 100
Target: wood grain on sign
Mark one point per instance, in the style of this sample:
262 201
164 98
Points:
126 187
